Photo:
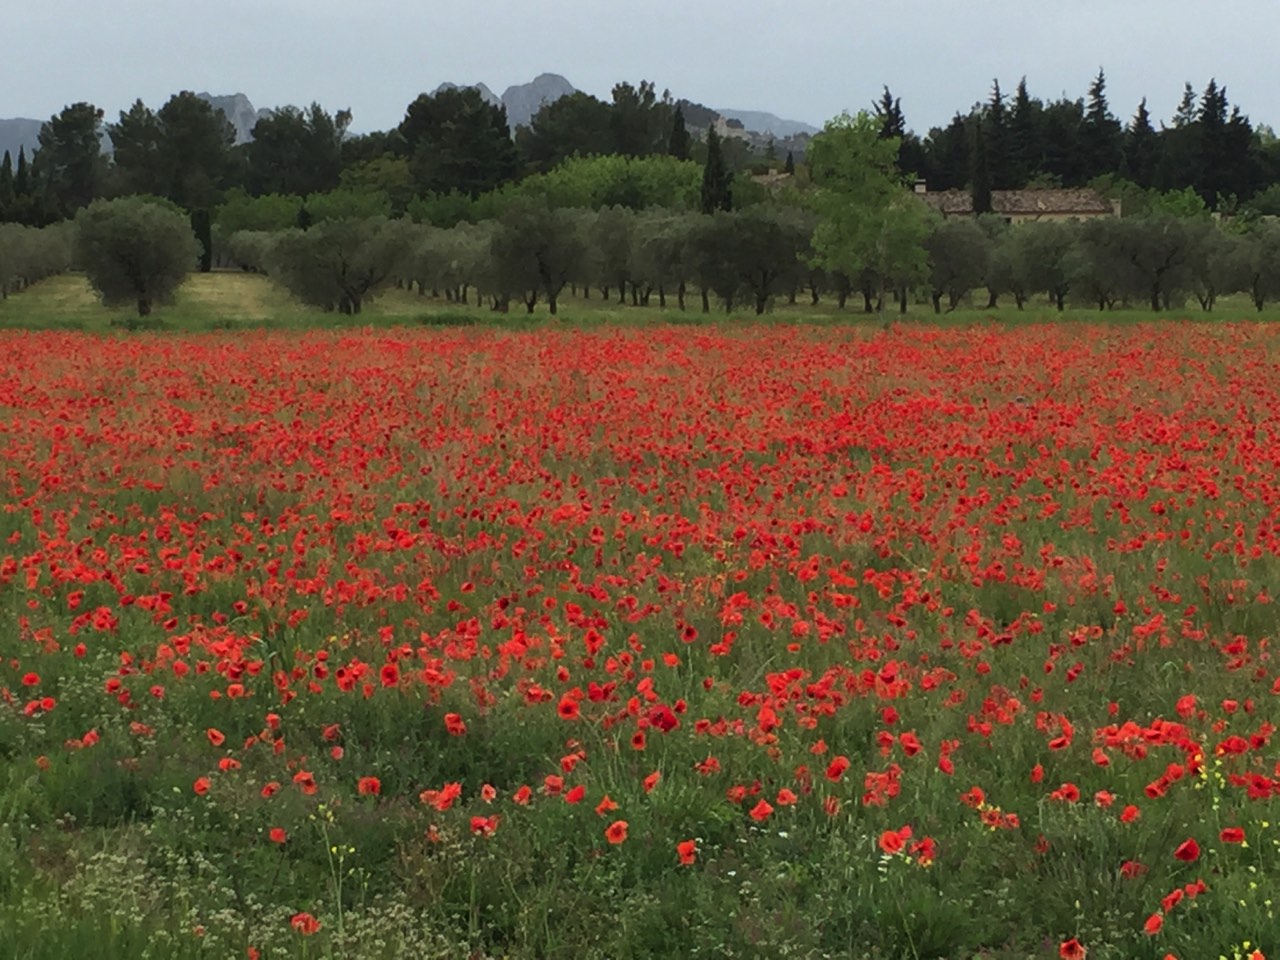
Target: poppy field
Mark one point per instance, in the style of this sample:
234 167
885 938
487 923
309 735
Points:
738 641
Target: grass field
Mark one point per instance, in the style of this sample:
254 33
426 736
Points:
230 300
613 637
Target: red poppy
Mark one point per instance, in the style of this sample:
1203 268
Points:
1072 949
1188 851
368 786
837 767
484 826
1153 925
605 805
616 832
201 786
567 708
215 737
575 794
687 851
454 724
304 923
760 812
277 835
1231 835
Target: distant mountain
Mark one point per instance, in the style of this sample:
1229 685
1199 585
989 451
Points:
488 95
19 132
239 111
524 100
758 121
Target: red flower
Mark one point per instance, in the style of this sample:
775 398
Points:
576 794
567 708
786 797
975 798
304 923
892 841
454 724
277 835
1188 851
651 781
1072 950
837 767
368 786
215 737
1231 835
484 826
687 851
760 812
1153 925
201 786
605 805
30 679
616 832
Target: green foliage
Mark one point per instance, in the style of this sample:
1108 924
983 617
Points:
535 250
456 141
71 158
270 211
295 151
182 151
868 221
339 264
633 182
577 125
134 251
345 204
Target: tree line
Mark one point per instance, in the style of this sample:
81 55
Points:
856 232
453 147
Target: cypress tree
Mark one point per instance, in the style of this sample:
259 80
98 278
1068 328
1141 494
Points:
717 181
789 167
981 172
678 145
6 184
22 177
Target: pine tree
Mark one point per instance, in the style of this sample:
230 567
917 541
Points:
678 145
1141 144
1185 115
717 181
1024 136
1100 135
789 168
889 112
998 142
981 172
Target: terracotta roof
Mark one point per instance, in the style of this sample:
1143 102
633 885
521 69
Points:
1021 202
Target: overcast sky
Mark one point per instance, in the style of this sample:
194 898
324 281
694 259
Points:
802 59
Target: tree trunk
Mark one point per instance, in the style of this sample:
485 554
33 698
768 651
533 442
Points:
144 307
902 300
680 291
1155 299
762 301
867 305
662 297
842 297
706 301
992 297
551 303
530 301
813 295
937 301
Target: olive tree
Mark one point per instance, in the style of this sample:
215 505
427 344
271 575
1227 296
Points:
339 264
135 250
